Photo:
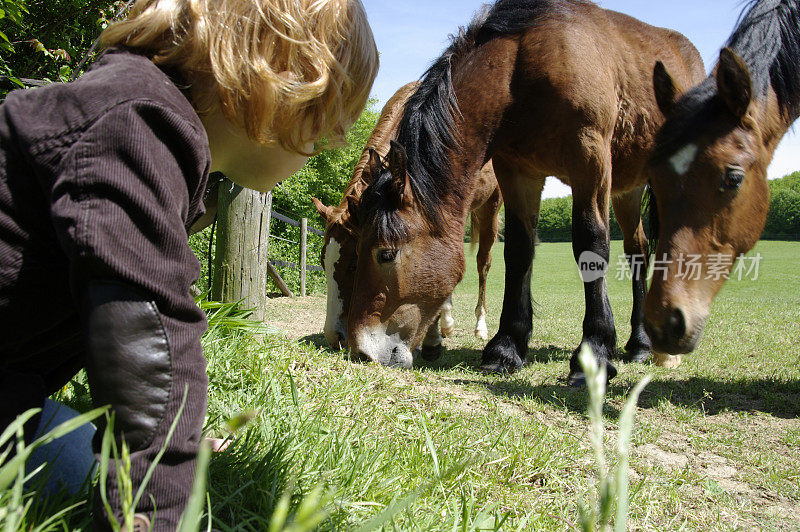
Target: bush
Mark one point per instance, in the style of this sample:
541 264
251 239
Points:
783 220
46 40
555 221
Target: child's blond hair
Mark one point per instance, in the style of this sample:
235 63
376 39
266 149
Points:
287 71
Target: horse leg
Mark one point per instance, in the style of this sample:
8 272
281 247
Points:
448 323
590 245
432 347
628 210
506 351
487 221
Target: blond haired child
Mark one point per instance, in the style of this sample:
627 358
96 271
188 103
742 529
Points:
101 179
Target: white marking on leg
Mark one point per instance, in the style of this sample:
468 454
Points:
333 324
446 321
481 330
683 159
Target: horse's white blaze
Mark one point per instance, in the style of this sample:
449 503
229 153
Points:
481 330
683 159
333 324
386 350
446 322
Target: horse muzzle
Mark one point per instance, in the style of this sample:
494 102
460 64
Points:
673 331
374 345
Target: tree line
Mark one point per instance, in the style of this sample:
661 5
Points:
783 220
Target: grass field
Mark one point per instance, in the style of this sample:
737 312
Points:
716 444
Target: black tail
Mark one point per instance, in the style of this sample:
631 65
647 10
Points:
650 216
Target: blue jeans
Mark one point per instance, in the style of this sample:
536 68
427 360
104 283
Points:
70 458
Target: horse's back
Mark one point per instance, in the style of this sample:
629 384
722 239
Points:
585 77
589 51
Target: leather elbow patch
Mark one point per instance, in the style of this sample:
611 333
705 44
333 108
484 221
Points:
128 360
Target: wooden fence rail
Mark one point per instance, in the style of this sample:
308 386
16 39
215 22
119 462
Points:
286 219
303 243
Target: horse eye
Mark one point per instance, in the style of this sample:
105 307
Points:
734 177
387 255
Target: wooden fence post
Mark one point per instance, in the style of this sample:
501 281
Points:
240 262
303 245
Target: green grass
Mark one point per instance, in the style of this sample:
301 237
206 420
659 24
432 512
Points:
716 442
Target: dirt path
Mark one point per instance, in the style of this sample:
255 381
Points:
298 317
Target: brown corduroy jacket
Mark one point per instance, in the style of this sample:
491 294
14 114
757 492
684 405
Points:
100 180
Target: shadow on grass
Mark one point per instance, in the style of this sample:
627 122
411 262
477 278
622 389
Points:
317 340
711 396
471 358
236 474
561 397
780 399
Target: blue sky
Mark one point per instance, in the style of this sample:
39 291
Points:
412 33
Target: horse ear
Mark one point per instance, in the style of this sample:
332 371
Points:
349 218
666 88
323 210
398 166
374 164
733 82
352 205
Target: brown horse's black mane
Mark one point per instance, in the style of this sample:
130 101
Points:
427 130
767 38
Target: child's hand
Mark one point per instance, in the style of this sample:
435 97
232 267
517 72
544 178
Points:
218 445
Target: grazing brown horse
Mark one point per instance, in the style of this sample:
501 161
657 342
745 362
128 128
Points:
339 249
542 87
709 166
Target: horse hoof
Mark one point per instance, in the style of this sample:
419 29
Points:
498 368
639 356
576 380
431 353
667 361
500 356
448 330
483 334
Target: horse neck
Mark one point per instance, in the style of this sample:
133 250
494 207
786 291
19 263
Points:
481 82
772 122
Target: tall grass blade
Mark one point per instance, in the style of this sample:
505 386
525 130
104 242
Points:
398 505
623 454
190 520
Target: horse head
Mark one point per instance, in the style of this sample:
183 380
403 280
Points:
708 176
406 268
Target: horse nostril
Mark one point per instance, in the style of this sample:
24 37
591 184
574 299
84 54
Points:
676 325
